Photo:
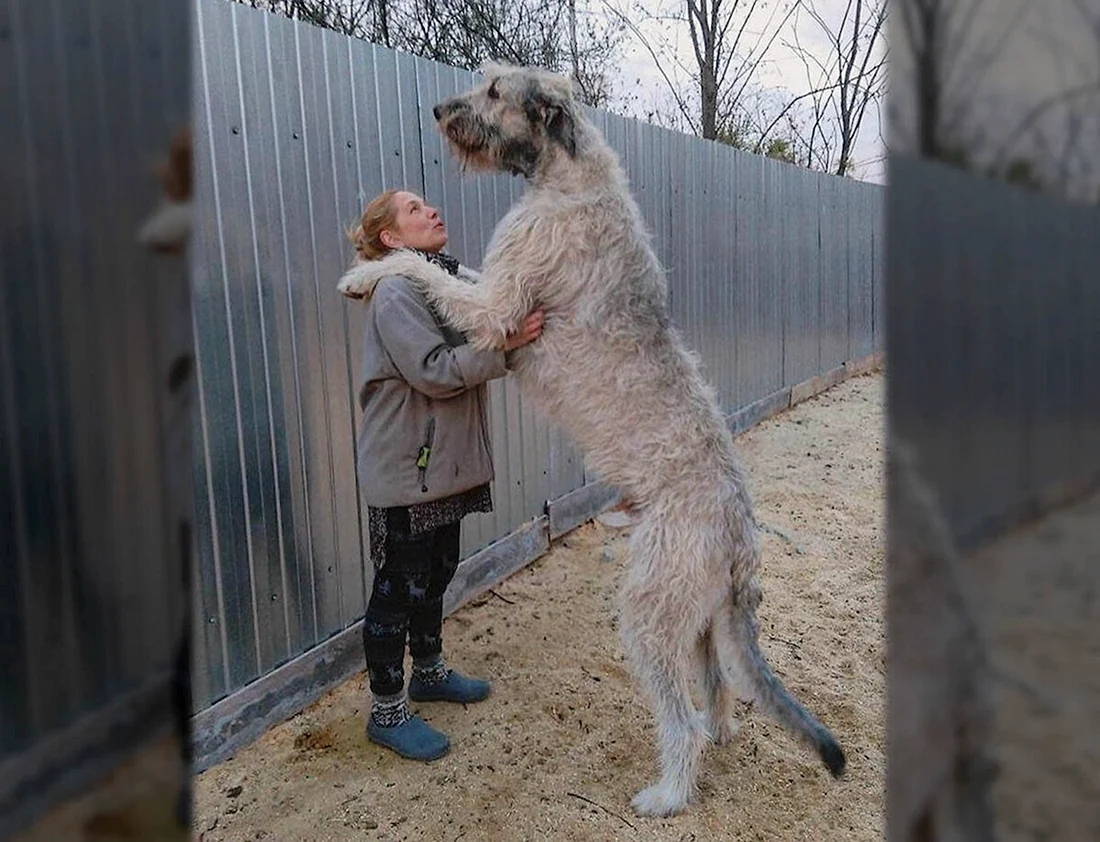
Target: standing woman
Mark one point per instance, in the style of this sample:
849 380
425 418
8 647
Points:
424 463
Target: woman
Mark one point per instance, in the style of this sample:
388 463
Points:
424 463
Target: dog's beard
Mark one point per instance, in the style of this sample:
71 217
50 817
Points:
482 148
469 142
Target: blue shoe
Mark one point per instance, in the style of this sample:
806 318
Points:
454 688
414 739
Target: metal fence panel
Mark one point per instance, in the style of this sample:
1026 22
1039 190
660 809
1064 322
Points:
772 247
878 264
219 355
756 305
833 225
860 271
1088 259
724 370
992 339
256 157
801 333
288 272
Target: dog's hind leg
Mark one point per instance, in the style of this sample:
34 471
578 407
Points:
660 628
664 677
720 682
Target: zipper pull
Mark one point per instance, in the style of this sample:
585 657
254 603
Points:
425 454
422 464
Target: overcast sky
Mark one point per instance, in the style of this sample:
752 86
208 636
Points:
782 70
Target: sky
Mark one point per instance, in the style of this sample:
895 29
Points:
783 68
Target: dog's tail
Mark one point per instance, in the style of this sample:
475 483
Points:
776 700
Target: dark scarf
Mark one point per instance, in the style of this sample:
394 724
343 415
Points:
450 265
441 259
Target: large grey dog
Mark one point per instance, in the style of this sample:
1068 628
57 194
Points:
615 374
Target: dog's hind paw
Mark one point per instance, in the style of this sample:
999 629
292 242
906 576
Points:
659 800
724 731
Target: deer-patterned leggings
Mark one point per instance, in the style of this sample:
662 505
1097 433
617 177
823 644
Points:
407 600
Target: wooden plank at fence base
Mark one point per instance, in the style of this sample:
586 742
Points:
230 724
1040 505
864 365
816 385
785 398
579 506
757 411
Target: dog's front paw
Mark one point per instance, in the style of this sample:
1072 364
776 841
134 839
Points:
352 286
660 800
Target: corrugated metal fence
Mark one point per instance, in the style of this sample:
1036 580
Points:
775 272
994 324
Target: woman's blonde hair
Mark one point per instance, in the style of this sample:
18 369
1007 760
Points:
379 214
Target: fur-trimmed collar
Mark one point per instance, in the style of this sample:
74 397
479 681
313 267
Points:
361 279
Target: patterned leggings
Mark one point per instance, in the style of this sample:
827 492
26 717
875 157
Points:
407 600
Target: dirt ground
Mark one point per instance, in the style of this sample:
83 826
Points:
1037 599
565 741
136 801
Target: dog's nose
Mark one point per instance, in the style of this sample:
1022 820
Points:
438 111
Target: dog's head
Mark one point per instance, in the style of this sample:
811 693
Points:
517 120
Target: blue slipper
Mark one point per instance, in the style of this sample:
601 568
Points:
454 688
413 739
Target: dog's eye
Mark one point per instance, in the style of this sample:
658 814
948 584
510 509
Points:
493 93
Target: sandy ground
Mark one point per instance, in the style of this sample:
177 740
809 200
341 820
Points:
1038 601
136 801
565 741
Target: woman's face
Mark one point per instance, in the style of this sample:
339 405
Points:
416 225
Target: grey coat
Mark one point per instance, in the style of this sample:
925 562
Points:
424 433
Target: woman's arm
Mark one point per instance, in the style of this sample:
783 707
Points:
419 351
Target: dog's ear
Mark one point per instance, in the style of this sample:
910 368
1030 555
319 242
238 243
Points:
561 127
555 114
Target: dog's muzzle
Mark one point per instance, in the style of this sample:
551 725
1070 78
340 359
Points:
448 108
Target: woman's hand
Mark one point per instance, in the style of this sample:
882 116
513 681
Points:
528 332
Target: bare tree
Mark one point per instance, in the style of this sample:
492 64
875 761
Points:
466 33
1053 145
543 33
729 49
730 40
804 119
849 80
573 54
683 116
